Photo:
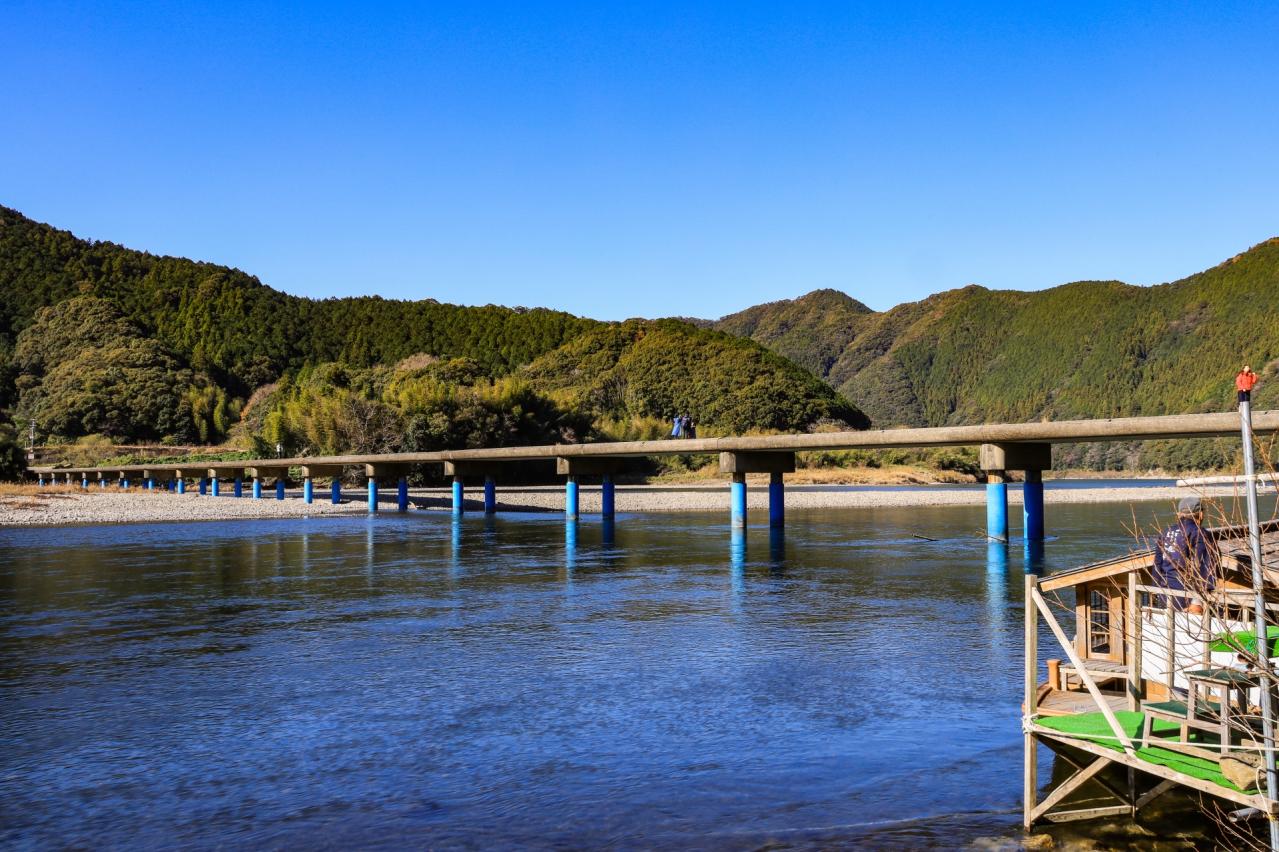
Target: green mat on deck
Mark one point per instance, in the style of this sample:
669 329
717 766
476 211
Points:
1093 727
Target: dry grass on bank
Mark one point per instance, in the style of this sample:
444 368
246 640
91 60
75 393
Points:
15 495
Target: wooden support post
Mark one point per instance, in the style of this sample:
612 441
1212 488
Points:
1088 813
1074 760
1030 758
1070 785
1153 793
1081 672
1133 634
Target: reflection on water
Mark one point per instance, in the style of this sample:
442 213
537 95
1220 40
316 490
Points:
441 681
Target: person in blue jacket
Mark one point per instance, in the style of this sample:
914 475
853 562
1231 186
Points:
677 427
1185 558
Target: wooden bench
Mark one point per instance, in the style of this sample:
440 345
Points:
1100 670
1176 711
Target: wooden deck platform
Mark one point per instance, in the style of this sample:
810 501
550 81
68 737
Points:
1070 702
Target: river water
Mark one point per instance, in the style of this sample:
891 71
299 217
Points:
413 682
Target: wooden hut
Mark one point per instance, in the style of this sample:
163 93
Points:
1160 680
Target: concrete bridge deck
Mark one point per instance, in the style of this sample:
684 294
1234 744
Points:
1004 446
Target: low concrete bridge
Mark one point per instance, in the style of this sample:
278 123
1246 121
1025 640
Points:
1004 447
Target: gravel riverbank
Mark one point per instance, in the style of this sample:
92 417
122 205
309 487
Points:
57 507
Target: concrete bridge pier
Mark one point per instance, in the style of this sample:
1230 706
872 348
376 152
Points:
601 466
775 464
997 505
776 501
387 471
150 477
571 499
204 485
458 470
238 489
279 474
607 501
310 471
1032 516
1030 458
180 478
84 481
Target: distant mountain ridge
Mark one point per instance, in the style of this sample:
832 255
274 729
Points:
1085 349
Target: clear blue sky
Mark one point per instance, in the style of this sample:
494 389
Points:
623 159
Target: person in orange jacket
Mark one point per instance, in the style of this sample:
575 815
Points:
1245 382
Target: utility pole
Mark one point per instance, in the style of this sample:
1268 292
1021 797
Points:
1245 382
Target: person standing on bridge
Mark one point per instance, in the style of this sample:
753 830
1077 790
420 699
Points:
1185 559
1245 382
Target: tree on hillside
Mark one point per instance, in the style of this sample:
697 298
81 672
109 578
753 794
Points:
82 369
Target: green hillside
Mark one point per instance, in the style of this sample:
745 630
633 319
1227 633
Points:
655 369
1087 349
99 339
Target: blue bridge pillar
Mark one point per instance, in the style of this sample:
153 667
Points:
402 494
336 488
606 498
776 500
257 488
213 486
84 482
238 490
570 498
1033 506
279 488
182 486
737 501
40 480
459 495
775 464
372 494
204 485
996 505
1033 458
308 490
490 496
124 483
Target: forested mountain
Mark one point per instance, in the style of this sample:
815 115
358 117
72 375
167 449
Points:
1087 349
99 339
243 333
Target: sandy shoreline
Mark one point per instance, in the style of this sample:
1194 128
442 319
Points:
61 508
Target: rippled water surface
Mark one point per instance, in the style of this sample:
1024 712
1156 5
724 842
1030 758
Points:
409 681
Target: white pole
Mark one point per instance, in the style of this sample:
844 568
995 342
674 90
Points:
1263 644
